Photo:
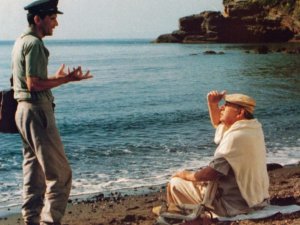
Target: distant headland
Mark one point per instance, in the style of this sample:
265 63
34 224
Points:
242 21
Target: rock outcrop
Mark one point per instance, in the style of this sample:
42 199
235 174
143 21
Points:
243 21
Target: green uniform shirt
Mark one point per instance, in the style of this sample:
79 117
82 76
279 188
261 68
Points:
29 58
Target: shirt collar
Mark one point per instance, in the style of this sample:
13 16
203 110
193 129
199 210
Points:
30 31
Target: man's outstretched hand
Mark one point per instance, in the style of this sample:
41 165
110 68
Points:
75 75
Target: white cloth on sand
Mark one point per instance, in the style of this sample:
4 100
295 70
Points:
268 211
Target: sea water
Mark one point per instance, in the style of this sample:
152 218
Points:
144 115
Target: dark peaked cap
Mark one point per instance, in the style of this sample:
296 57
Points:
43 6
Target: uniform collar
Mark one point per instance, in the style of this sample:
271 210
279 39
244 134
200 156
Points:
31 31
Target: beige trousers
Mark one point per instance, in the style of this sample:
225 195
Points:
46 172
180 191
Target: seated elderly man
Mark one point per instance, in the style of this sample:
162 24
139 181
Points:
239 163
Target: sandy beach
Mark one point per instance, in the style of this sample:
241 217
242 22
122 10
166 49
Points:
136 209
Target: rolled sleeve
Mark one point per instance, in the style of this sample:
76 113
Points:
220 165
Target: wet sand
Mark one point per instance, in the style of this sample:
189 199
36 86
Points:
136 209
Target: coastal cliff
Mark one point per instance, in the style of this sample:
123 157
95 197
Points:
242 21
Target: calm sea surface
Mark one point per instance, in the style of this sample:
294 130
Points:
144 114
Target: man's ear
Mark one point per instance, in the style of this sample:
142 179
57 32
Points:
242 113
37 19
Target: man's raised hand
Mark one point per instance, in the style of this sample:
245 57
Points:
214 97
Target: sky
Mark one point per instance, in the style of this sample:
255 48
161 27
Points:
106 19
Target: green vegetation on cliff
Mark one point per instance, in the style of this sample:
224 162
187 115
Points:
284 4
285 7
288 4
291 7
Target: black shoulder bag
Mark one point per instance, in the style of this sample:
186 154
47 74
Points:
8 108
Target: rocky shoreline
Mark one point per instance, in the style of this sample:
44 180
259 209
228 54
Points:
136 209
243 21
261 49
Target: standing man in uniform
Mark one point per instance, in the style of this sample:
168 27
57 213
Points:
46 172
